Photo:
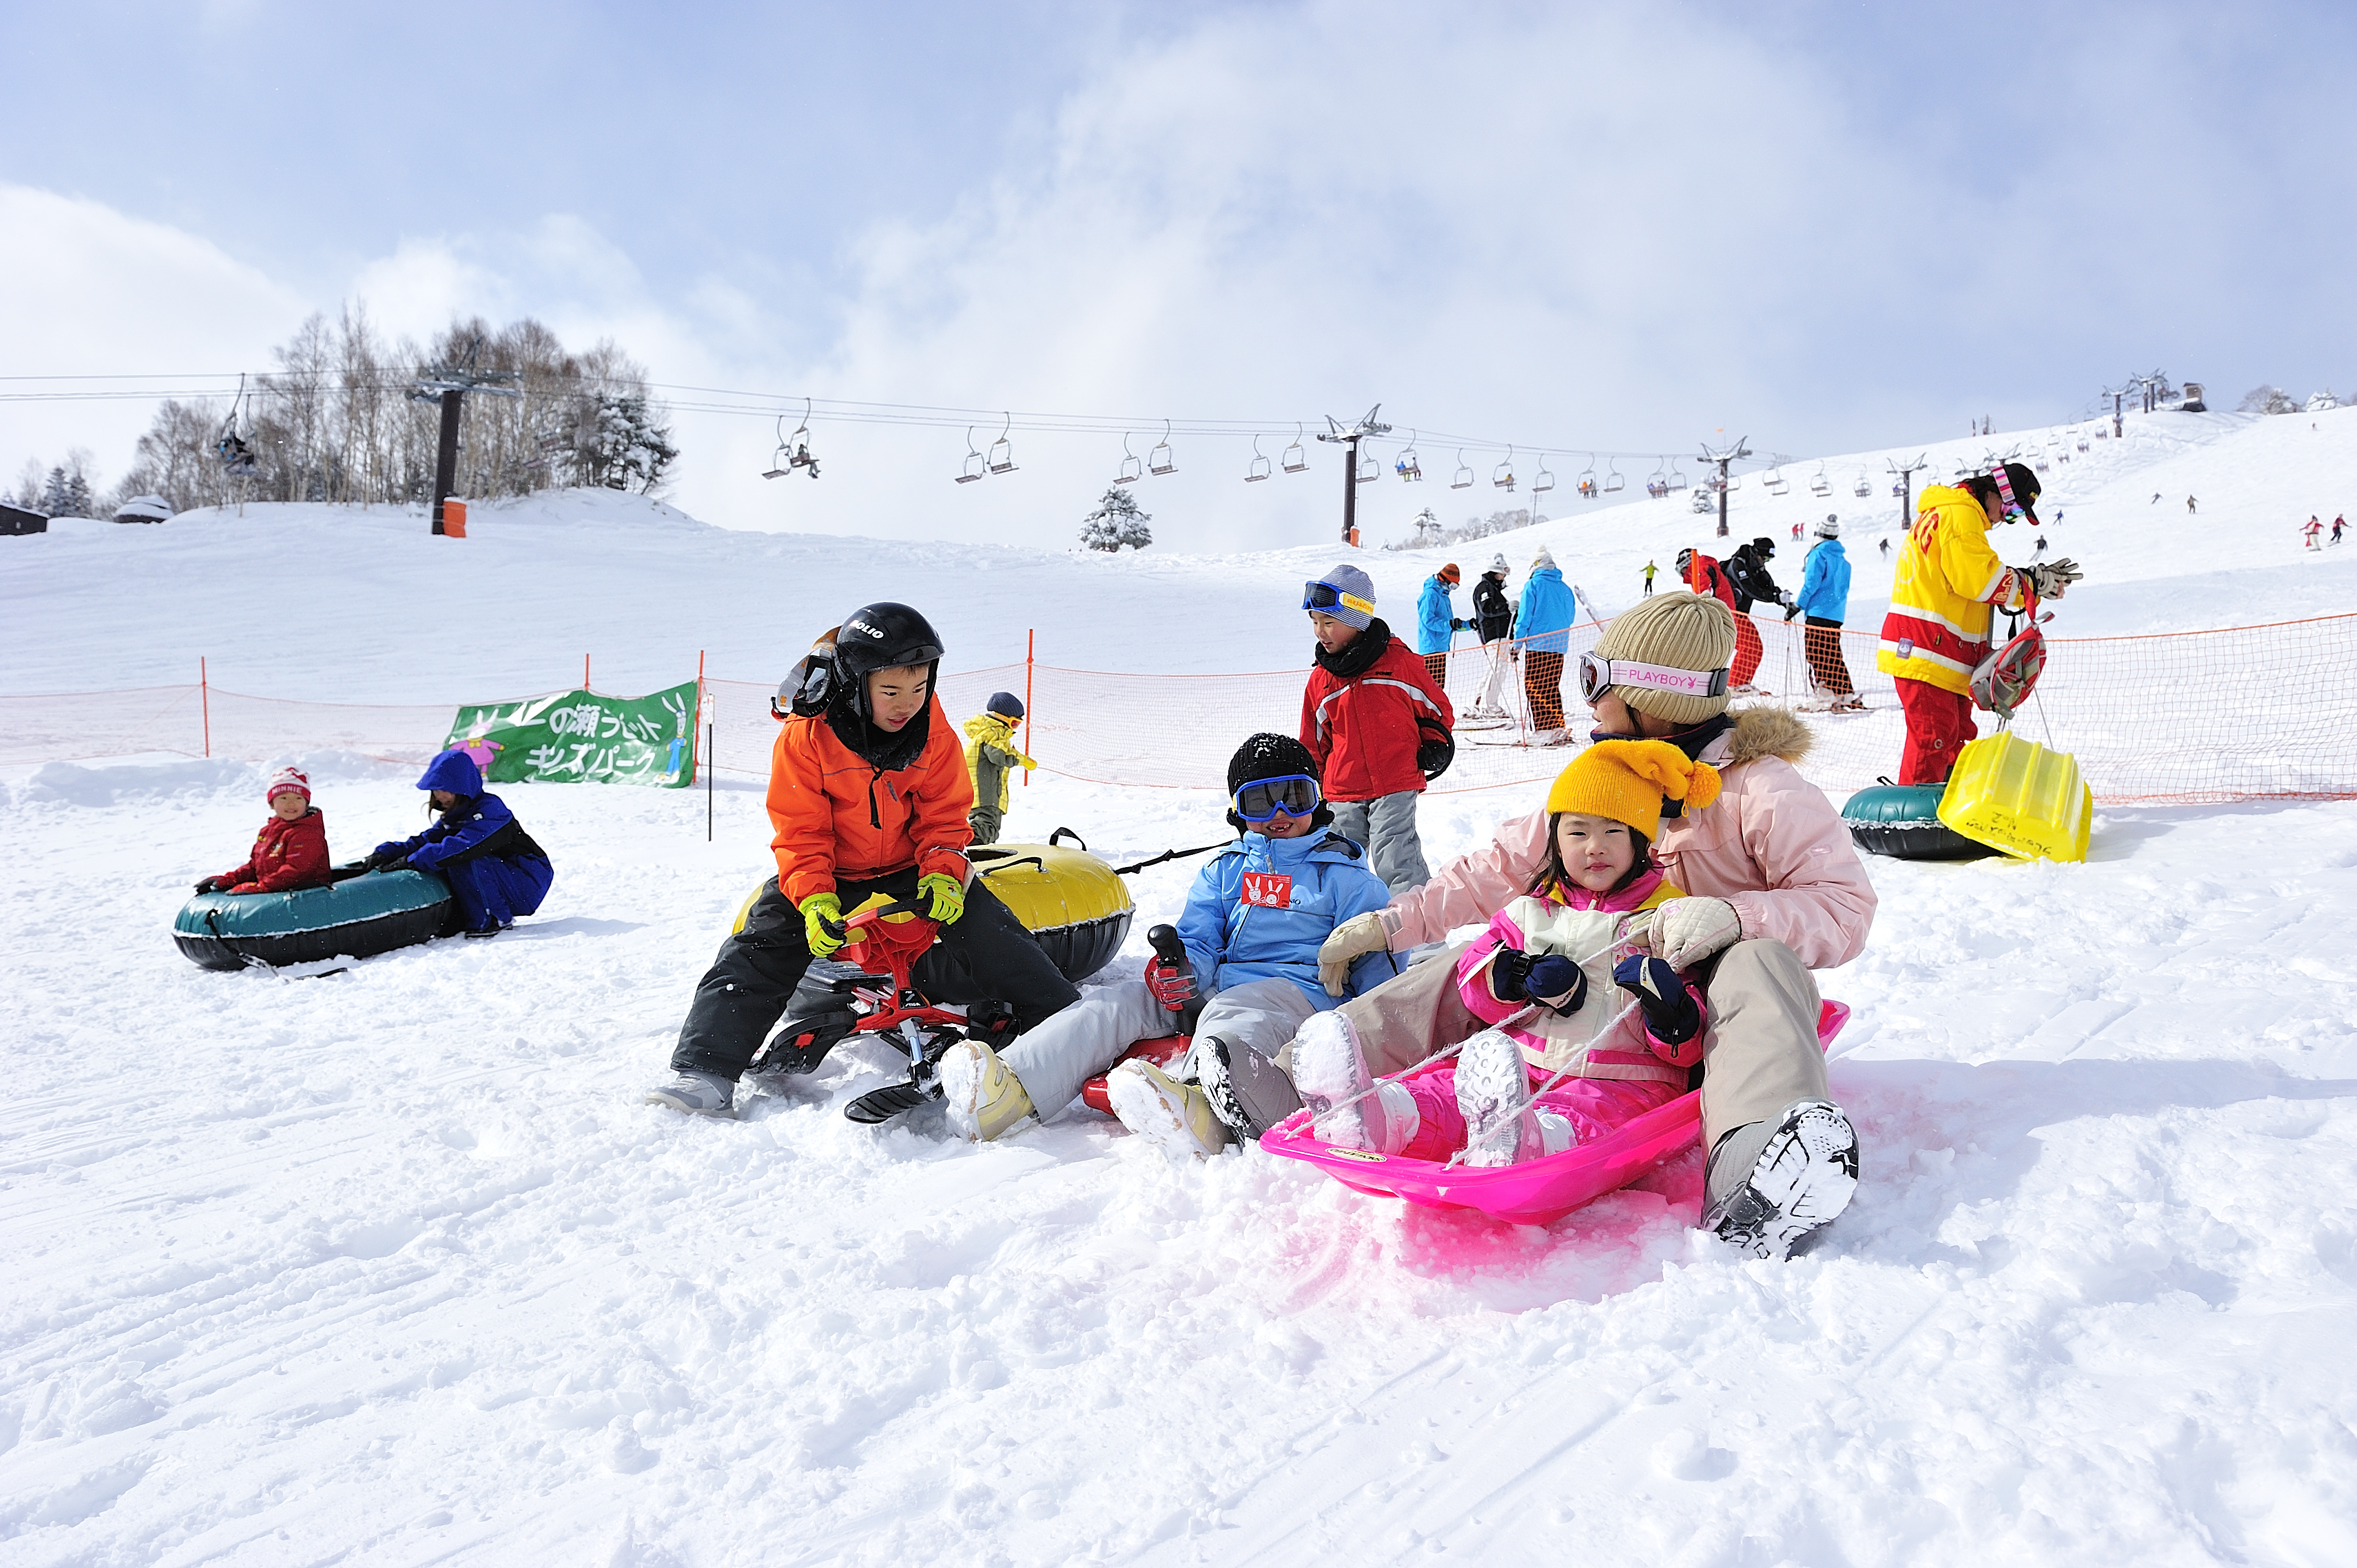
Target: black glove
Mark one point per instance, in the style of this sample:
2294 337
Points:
398 862
1792 614
1671 1016
210 885
1461 626
1550 979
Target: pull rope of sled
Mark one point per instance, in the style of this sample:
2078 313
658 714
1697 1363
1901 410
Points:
1561 1073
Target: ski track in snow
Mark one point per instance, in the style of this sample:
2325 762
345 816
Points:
390 1266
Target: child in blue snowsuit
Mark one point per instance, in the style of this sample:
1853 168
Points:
495 870
1252 928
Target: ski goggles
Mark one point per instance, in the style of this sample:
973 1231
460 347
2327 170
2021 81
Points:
2013 509
1599 675
1326 596
1295 795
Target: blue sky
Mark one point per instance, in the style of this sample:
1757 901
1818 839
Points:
1828 227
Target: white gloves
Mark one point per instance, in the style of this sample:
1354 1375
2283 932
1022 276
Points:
1353 938
1684 932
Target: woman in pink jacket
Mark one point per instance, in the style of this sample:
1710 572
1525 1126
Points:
1549 976
1773 889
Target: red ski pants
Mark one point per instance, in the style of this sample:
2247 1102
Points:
1939 724
1747 651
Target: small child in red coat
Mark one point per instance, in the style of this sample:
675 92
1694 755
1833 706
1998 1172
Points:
292 851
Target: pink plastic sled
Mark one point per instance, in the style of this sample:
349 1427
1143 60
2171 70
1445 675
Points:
1537 1191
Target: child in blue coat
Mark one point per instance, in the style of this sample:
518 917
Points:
1253 925
495 870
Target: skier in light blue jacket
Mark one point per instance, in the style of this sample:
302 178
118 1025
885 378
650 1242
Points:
1823 598
1544 623
1438 623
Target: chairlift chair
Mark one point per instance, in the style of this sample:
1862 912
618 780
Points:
1677 477
1133 468
781 461
1820 486
1588 479
1774 481
973 469
1541 481
1408 466
1502 475
1296 458
1863 488
236 457
1161 460
1369 470
1258 469
1614 479
1657 484
1464 479
1002 451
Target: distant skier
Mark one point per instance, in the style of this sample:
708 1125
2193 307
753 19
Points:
2188 505
2041 546
2156 499
2311 530
2337 526
1493 621
1883 545
1650 570
1796 533
1824 600
1438 622
1543 620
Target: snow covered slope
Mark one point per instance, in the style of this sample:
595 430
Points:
389 1266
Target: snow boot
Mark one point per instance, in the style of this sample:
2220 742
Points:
1769 1187
697 1093
1173 1117
1249 1093
1493 1095
981 1093
1348 1108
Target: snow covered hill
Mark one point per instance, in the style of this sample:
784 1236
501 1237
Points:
390 1266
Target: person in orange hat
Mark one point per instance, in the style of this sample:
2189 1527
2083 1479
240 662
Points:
1437 622
1550 979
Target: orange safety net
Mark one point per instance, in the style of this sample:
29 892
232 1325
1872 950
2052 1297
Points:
2247 711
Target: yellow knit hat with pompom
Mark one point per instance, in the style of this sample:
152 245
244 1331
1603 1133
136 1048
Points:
1626 781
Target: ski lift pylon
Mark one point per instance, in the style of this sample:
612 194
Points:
1002 451
1614 479
1258 469
1464 479
973 469
1295 458
1161 460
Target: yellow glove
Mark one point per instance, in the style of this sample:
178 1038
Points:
1354 938
948 896
1026 761
817 937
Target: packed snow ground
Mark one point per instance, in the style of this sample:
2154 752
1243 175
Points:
390 1266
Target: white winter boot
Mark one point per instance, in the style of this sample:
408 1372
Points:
1768 1186
982 1094
1493 1095
1348 1108
1173 1117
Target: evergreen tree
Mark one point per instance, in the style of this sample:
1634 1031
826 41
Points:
1116 522
621 447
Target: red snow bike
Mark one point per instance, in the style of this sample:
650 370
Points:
891 937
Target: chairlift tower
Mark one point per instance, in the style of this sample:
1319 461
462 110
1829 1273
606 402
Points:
447 384
1348 437
1906 486
1724 456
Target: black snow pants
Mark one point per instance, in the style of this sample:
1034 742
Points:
984 954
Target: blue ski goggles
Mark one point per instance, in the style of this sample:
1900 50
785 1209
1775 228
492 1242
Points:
1326 596
1295 795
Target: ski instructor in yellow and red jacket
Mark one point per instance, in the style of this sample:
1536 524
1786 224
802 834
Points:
1938 627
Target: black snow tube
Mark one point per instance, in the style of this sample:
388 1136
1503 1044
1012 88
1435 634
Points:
358 917
1903 821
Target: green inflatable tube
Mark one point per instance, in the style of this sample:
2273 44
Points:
358 917
1903 820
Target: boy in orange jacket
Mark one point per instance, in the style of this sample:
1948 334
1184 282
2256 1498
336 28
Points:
868 793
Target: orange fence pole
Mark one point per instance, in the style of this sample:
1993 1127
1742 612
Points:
205 700
585 671
1031 639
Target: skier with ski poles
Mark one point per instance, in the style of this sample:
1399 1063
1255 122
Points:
1493 617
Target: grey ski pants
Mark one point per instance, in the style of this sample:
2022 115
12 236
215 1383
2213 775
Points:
1386 827
1760 1039
1055 1057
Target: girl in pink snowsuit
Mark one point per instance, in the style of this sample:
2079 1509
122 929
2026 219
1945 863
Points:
1625 1035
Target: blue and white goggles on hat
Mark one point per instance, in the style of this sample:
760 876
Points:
1597 675
1295 795
1325 596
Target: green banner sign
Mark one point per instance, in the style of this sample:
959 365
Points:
583 737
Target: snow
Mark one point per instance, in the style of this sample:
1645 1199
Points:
390 1266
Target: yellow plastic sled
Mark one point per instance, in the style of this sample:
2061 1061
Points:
2014 795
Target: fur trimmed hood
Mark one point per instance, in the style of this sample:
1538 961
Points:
1767 732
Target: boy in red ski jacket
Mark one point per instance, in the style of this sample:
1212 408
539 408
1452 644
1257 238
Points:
1376 721
292 851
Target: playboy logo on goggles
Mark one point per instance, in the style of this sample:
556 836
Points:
1597 674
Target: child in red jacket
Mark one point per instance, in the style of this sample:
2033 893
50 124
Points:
1376 721
292 851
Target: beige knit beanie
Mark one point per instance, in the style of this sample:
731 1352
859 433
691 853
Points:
1683 631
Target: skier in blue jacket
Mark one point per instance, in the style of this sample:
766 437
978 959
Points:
495 870
1437 622
1824 600
1543 621
1253 922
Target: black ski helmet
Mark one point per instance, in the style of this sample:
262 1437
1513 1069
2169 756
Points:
1272 756
883 636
